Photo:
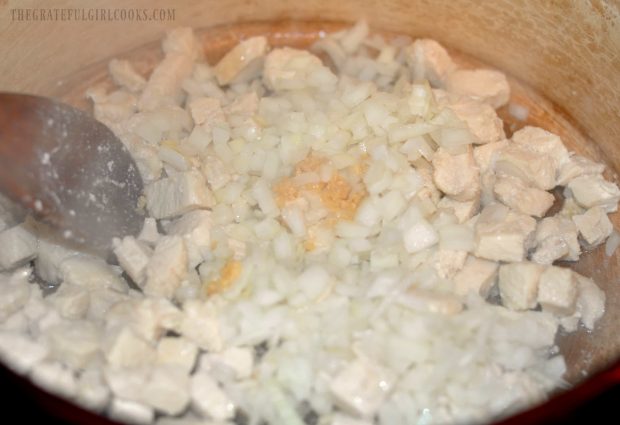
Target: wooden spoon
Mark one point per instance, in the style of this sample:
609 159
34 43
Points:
68 170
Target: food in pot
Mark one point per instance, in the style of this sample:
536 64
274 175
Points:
338 236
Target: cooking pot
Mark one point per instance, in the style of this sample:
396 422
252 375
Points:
563 57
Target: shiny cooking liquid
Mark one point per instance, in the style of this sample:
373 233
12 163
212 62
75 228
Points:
585 352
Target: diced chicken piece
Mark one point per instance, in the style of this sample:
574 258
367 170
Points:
420 236
114 109
590 301
147 160
541 141
206 111
133 256
550 249
245 105
486 155
178 194
131 412
462 210
240 360
477 275
486 84
557 290
92 391
91 272
149 233
513 192
167 267
428 60
570 208
19 352
195 229
293 69
481 119
182 41
208 399
177 351
19 246
55 378
167 389
164 84
354 37
593 190
594 226
200 325
50 256
124 75
216 173
518 284
244 60
71 301
577 166
502 234
122 347
148 318
101 300
74 343
448 262
456 175
361 387
158 125
556 238
535 169
14 292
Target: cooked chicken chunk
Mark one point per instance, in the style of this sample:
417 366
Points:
486 84
178 194
244 60
512 192
125 75
447 262
292 69
462 210
535 169
167 267
578 166
456 175
556 238
481 119
428 60
593 190
594 226
164 85
541 141
518 284
502 234
477 275
557 290
486 155
590 301
206 111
